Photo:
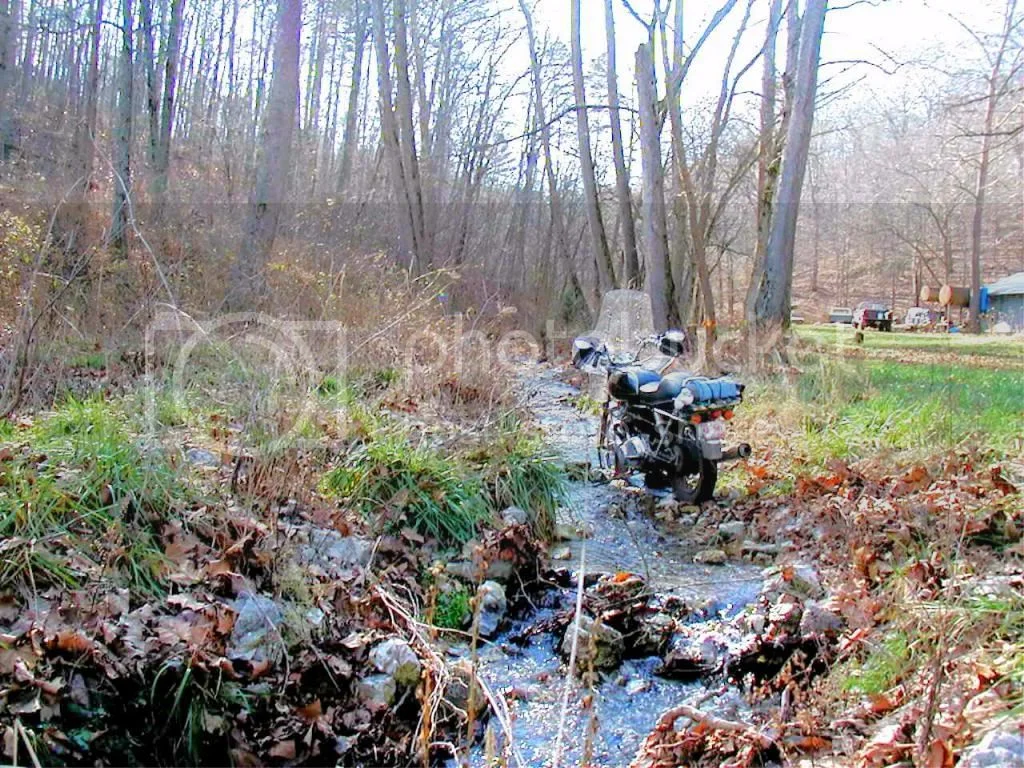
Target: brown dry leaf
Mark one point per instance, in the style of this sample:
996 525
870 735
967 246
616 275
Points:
311 711
283 750
71 641
939 755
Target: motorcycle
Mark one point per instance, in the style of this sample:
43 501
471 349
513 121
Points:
670 426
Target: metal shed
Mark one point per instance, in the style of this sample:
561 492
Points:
1006 301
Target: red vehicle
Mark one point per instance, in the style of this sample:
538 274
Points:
872 314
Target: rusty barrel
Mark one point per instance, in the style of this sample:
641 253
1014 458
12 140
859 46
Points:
954 296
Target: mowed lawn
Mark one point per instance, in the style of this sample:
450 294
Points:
962 344
853 406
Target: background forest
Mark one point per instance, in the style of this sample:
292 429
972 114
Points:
219 147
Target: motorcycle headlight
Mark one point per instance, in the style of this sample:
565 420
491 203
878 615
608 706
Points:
684 399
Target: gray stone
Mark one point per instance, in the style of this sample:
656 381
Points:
377 690
565 532
598 645
202 458
653 634
335 554
804 582
785 615
493 605
514 516
819 621
710 557
633 687
692 655
1000 748
732 530
396 657
561 553
256 635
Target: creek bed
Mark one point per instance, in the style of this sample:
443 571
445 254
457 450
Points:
620 535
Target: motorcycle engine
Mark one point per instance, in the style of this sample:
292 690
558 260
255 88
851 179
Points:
631 452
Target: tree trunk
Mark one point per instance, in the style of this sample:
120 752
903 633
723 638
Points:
554 194
123 136
767 155
658 272
599 241
163 155
392 142
773 305
407 135
274 166
351 135
981 184
630 260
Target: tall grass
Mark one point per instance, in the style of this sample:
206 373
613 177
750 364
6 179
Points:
396 478
78 495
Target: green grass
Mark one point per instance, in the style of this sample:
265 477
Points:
884 666
960 344
395 478
519 471
856 409
453 608
77 496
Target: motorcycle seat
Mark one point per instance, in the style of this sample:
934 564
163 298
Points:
641 385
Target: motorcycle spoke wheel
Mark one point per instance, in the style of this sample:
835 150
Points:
697 487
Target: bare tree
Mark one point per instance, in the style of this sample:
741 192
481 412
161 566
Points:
773 301
274 167
997 84
658 270
170 81
123 134
360 30
630 260
591 204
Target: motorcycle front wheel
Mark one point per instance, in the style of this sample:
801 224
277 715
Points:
696 487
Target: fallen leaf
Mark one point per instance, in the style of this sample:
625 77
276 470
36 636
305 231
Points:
311 711
283 750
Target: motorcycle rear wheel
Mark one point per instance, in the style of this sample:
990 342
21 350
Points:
696 487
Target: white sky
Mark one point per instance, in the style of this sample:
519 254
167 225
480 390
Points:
902 28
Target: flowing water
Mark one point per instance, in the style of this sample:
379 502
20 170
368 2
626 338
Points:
622 535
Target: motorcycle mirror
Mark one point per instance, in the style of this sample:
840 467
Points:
673 343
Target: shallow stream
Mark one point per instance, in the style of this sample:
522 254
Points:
620 534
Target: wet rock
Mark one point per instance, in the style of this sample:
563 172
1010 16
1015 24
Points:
561 553
202 458
652 636
710 557
633 687
493 607
819 621
514 516
1003 747
785 615
732 530
797 579
759 548
598 645
256 635
377 690
693 654
565 532
396 658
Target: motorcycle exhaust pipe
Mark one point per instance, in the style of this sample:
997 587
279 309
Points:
741 451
